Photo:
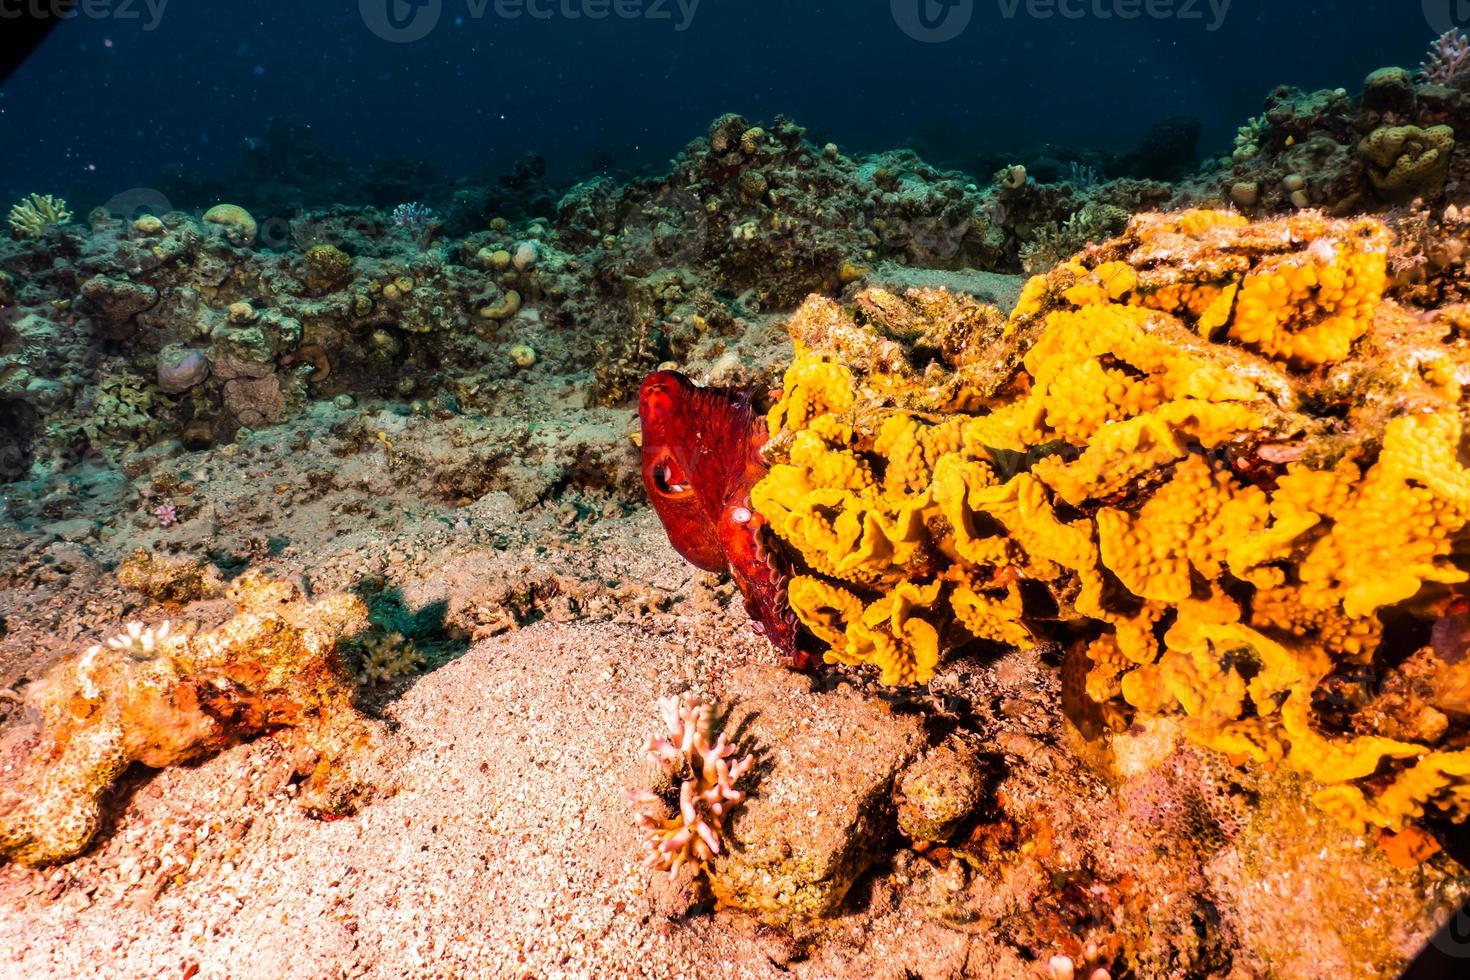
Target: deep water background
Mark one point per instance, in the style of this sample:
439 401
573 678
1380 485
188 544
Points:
104 105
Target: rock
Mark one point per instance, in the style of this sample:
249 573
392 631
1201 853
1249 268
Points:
181 368
940 791
819 807
116 300
1389 90
677 897
198 434
76 529
227 367
255 402
165 580
988 287
160 699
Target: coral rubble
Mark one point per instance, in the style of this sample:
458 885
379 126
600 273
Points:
160 697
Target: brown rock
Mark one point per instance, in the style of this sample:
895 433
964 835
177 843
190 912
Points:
255 403
819 806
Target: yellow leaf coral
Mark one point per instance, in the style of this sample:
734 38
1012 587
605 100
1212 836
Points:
892 636
1210 449
814 387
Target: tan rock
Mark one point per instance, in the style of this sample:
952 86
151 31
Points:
819 805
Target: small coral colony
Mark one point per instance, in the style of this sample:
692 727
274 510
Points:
1210 465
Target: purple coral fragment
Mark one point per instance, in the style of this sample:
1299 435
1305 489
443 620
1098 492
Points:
1448 57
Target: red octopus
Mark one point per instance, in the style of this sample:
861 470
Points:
701 457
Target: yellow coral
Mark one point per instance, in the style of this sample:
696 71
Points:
1405 162
911 446
36 213
814 387
1310 310
824 608
993 617
1165 470
1196 222
892 636
238 225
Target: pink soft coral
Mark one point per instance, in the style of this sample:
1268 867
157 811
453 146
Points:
701 764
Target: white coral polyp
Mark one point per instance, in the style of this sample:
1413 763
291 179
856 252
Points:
706 775
142 643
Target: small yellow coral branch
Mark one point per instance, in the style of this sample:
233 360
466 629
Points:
34 214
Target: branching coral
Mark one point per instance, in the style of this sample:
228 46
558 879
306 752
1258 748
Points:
1448 57
36 213
703 767
1209 452
383 658
140 642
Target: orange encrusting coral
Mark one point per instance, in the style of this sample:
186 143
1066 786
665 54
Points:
161 697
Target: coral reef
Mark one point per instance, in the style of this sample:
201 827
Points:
698 772
240 319
1385 148
1405 162
239 225
163 696
760 213
1448 57
1173 550
34 214
1191 452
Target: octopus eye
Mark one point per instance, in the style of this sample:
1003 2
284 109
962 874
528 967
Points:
667 480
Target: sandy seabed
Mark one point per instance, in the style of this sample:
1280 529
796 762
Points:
554 615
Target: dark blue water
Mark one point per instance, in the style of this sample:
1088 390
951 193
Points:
118 101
